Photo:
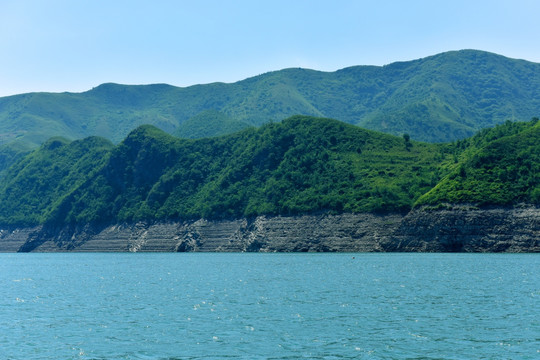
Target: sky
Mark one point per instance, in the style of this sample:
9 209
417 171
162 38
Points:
75 45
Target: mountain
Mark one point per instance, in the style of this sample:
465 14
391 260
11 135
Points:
209 123
37 182
499 166
11 153
437 99
302 165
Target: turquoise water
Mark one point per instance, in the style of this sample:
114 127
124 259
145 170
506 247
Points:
269 306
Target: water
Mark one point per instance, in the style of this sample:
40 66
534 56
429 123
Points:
269 306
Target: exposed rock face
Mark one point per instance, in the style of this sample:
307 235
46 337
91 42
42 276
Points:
12 239
458 229
462 229
315 233
345 232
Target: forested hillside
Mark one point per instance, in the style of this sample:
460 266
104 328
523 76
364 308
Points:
499 166
38 182
301 165
437 99
298 166
209 123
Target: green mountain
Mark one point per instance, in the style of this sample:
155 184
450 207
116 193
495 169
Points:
10 153
301 165
439 98
499 166
37 183
209 123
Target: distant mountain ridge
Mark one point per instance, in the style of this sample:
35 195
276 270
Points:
437 99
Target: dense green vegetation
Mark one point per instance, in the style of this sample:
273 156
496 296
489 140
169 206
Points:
209 123
34 186
499 166
11 153
439 98
300 165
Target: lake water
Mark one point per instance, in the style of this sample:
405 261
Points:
269 306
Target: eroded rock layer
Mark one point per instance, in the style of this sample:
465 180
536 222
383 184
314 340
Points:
457 229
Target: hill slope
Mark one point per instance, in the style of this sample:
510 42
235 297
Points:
499 166
35 184
438 98
209 123
301 165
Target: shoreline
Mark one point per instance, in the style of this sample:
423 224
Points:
457 229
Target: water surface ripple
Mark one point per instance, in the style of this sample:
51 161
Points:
270 306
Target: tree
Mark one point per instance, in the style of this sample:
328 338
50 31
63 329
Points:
408 143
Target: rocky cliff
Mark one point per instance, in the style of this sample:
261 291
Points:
466 229
457 229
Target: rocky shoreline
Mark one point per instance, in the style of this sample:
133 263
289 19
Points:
456 229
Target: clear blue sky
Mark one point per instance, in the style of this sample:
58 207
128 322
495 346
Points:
74 45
